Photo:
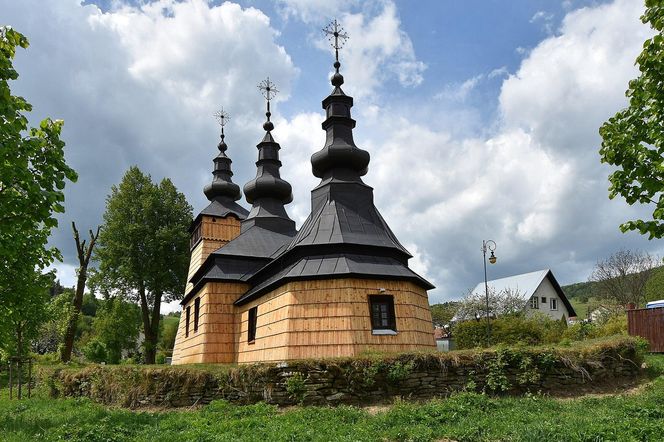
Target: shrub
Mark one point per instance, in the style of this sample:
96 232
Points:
510 329
95 351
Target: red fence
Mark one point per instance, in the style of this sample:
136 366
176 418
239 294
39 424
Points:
648 323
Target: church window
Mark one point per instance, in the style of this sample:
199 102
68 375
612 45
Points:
382 312
253 315
186 323
197 311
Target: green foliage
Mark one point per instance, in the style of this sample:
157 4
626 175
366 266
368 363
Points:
510 329
612 325
52 331
143 247
295 386
441 314
399 370
633 139
90 304
117 326
33 172
95 351
463 416
168 332
655 285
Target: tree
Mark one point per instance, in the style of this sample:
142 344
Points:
84 253
441 314
655 285
143 247
116 326
622 277
633 139
505 302
33 172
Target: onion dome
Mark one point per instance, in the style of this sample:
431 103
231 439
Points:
268 192
222 186
339 151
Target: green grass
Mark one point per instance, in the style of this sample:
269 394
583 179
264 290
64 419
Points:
465 417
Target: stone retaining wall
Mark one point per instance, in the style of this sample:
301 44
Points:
359 381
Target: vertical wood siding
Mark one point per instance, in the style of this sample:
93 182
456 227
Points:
648 323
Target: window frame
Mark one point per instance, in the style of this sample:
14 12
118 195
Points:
252 323
197 312
553 304
534 302
543 300
186 322
388 300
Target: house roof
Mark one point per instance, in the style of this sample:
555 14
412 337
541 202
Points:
524 285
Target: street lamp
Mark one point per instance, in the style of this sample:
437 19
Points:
488 245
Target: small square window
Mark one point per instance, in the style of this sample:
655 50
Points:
534 302
382 312
543 299
186 323
251 331
554 304
197 311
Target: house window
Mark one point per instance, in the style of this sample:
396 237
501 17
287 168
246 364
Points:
251 334
186 323
382 313
543 299
554 304
197 311
534 302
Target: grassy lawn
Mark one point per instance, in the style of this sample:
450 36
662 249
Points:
637 415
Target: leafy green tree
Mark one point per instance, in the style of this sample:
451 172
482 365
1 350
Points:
441 314
117 326
33 172
655 285
633 139
168 333
143 247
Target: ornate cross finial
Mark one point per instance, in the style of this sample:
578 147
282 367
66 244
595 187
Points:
337 36
222 118
268 90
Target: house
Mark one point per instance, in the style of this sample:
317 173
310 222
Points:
533 292
260 290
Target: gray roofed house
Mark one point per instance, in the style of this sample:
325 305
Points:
539 291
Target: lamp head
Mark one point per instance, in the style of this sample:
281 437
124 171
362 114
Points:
492 258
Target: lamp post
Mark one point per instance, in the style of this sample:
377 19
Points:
488 245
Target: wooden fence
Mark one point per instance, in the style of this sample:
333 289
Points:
648 323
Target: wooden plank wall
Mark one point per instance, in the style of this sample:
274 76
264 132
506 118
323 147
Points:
216 338
330 318
649 324
215 233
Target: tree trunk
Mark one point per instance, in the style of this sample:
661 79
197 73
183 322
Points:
150 343
84 254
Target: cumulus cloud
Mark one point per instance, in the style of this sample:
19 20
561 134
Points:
535 184
138 85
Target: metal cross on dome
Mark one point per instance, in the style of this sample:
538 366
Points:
222 118
268 89
337 36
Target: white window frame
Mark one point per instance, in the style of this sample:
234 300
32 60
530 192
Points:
553 303
534 302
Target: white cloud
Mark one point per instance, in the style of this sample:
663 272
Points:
139 85
536 185
315 11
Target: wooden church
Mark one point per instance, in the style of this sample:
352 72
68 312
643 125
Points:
260 290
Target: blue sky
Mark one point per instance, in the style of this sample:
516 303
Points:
481 116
